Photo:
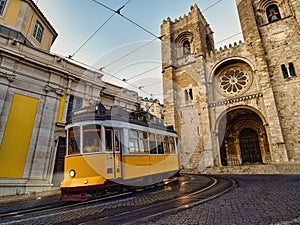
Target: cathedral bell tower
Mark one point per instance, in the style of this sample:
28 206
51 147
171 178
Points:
185 44
271 29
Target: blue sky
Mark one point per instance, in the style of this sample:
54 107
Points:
76 20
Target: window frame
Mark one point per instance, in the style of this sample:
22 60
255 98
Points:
3 5
276 11
87 129
76 138
132 139
38 31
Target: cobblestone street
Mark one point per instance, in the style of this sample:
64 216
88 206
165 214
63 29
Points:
259 199
255 199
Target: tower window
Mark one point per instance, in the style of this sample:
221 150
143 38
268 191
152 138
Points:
186 48
2 6
38 31
273 13
284 71
290 72
191 93
188 94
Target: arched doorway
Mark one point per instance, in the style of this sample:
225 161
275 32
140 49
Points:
249 145
242 138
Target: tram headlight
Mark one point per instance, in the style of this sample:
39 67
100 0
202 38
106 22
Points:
72 173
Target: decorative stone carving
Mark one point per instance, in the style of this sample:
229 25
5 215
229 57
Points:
9 76
57 91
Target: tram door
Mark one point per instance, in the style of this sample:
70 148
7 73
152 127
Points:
113 149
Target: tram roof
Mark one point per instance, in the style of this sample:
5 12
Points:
117 113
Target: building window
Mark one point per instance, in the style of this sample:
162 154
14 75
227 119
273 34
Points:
38 31
288 72
2 6
188 94
186 48
74 103
273 13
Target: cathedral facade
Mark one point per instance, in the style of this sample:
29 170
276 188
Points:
239 105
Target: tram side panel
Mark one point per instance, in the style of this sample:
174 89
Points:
147 154
135 166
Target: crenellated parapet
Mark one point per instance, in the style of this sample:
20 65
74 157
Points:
227 51
194 15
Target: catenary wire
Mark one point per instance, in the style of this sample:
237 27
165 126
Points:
140 74
131 21
137 49
98 29
156 37
129 53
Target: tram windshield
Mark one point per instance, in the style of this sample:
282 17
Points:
91 138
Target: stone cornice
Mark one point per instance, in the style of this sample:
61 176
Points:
234 100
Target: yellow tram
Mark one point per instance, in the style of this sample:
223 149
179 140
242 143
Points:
108 148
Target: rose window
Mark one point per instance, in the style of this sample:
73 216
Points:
233 81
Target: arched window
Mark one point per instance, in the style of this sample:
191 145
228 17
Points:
273 13
186 48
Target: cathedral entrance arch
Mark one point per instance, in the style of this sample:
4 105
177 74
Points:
242 138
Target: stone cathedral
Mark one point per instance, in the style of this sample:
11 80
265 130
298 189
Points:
239 106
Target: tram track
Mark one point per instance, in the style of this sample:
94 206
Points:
133 207
39 208
56 206
219 186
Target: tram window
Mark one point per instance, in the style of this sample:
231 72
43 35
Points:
166 145
91 138
108 140
172 145
133 142
152 144
160 142
74 140
143 142
117 140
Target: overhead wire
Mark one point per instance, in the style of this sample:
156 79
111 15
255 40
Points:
135 50
156 37
131 21
70 56
128 54
99 28
111 75
225 39
140 74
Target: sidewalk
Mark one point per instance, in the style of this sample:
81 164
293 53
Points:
29 196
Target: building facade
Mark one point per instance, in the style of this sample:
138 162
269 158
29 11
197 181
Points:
238 105
39 91
153 106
